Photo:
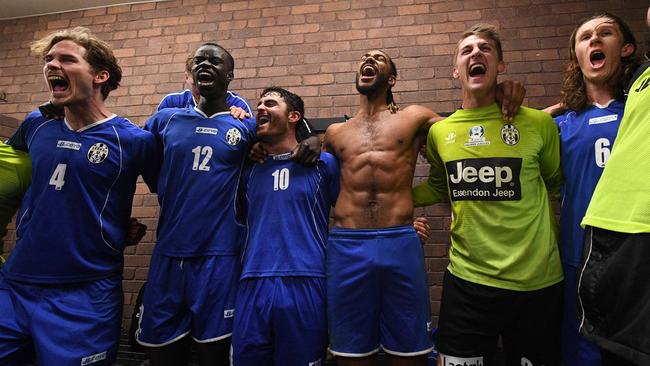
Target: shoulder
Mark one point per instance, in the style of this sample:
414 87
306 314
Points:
234 99
534 114
418 113
130 129
175 100
328 158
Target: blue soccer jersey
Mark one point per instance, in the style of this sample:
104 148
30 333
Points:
586 140
198 181
287 207
74 217
185 99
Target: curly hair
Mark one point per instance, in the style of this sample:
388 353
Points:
390 101
574 92
99 54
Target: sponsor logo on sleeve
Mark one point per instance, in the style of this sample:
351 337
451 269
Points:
88 360
460 361
98 153
228 313
451 138
68 145
206 130
476 136
484 179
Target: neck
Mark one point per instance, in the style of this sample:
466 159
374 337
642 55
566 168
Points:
599 93
372 104
476 99
81 115
282 145
212 104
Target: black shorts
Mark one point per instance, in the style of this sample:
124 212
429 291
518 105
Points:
473 316
614 293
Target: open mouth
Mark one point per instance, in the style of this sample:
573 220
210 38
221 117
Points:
597 58
204 78
477 70
367 71
58 83
262 120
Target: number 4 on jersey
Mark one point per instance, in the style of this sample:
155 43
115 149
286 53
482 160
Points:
57 179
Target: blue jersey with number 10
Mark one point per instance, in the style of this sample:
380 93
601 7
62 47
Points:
197 185
287 209
73 220
586 140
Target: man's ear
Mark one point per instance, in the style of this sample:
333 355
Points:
501 67
101 77
294 117
627 50
230 75
391 80
455 73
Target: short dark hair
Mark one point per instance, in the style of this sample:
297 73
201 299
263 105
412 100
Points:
190 61
294 104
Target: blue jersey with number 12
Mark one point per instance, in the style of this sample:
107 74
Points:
198 181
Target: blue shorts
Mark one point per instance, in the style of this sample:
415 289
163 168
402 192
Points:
377 294
188 296
576 350
280 321
71 324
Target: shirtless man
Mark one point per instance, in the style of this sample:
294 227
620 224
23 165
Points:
373 245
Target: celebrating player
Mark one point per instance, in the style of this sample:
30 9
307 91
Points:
195 267
281 316
601 51
613 288
64 275
504 277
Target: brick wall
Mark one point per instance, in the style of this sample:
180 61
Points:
311 47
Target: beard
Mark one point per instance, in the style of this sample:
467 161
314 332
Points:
380 81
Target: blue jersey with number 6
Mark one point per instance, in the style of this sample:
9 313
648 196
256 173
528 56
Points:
586 140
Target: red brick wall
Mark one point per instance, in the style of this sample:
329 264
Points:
310 47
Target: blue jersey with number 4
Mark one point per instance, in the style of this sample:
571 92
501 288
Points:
287 210
73 220
198 181
586 140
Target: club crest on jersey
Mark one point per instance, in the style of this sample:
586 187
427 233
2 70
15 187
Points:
476 136
233 136
98 153
509 134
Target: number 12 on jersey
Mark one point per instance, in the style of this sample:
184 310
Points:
204 165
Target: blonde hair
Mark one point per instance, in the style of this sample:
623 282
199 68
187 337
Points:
99 54
484 30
